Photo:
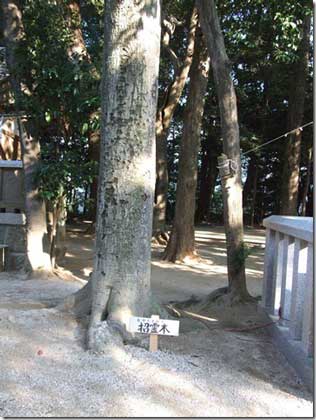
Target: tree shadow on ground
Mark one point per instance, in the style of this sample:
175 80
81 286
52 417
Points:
199 373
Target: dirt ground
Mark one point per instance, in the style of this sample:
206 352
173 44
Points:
46 372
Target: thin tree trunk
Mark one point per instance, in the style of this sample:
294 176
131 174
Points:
310 201
163 121
207 184
121 276
307 180
78 46
250 189
74 23
231 186
60 249
292 156
181 244
254 196
248 183
202 185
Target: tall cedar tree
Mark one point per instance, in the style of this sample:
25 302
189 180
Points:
181 244
232 186
163 121
292 156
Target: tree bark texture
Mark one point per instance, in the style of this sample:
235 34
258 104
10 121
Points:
94 154
181 244
56 216
163 121
292 156
78 46
231 186
38 256
121 276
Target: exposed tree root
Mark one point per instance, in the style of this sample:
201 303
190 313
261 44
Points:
223 296
220 297
160 237
221 309
102 334
176 256
78 303
43 273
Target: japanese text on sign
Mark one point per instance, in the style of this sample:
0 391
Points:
153 326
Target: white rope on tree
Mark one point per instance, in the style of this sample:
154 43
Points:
278 138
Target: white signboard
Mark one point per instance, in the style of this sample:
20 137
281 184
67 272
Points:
153 325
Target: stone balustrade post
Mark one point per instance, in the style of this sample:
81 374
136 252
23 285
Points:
288 284
269 257
308 312
298 289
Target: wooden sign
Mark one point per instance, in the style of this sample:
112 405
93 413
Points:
153 326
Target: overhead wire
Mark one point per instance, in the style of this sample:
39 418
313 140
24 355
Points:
277 138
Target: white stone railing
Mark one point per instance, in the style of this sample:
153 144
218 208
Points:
288 276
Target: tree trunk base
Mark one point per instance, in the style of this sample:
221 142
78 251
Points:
160 238
221 310
79 303
103 335
219 297
176 256
224 297
41 273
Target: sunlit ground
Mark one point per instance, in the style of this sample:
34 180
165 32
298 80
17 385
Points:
45 371
179 281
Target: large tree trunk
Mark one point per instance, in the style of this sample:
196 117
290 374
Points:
163 121
121 276
231 186
292 156
36 232
181 244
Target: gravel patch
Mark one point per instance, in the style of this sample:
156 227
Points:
45 372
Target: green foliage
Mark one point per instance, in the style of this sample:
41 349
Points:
58 176
62 93
61 90
241 255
